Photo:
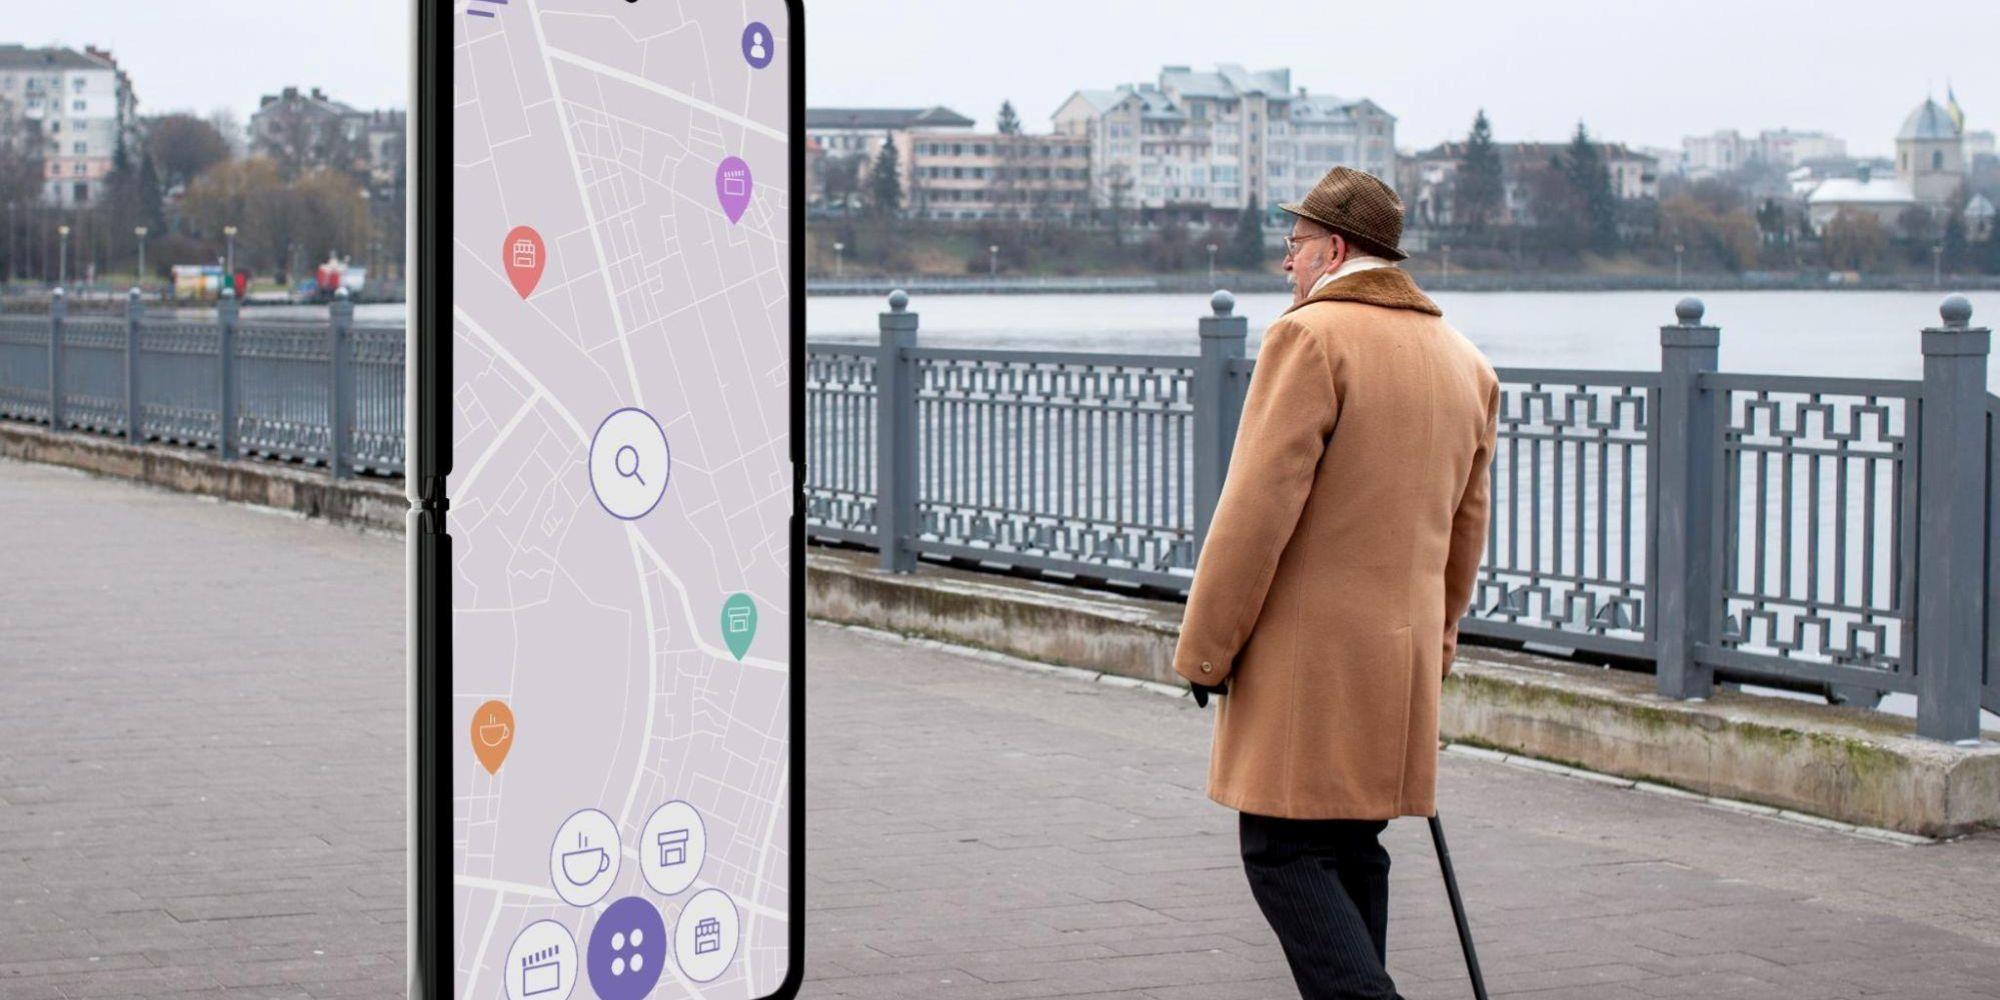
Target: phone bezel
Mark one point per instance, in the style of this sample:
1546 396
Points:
432 961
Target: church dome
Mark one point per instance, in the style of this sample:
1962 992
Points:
1928 121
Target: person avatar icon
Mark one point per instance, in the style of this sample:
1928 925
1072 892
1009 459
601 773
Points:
757 44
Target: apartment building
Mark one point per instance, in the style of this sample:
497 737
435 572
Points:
78 105
1199 146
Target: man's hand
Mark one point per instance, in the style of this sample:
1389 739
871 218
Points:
1202 691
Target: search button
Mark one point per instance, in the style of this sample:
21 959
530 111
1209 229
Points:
629 461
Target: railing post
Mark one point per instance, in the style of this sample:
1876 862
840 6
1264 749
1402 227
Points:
227 311
58 310
1684 578
1218 405
1951 515
340 395
135 322
896 436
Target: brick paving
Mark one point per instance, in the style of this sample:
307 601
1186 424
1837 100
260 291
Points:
201 767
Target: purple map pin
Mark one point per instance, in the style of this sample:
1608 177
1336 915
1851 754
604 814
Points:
732 187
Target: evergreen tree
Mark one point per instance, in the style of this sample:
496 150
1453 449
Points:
1246 248
885 181
1009 123
1590 182
1478 187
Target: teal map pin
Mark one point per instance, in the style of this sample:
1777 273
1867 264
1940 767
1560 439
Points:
739 623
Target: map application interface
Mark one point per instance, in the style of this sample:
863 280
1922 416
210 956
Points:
621 498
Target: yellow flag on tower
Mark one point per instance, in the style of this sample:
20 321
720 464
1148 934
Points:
1951 108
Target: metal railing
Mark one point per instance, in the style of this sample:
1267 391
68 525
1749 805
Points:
273 390
1749 526
1836 532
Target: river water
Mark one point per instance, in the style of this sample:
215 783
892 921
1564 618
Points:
1849 333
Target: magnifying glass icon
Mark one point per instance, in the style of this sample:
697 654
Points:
618 462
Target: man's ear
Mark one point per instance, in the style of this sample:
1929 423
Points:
1340 251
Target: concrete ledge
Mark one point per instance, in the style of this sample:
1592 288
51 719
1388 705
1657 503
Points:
372 502
1858 767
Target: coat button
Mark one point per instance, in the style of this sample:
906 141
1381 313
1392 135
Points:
1205 668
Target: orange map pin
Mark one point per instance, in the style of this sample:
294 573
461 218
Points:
492 734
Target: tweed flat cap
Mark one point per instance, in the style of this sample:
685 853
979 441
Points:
1357 206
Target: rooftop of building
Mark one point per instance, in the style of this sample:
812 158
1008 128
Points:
1864 190
1930 120
1515 151
886 118
14 56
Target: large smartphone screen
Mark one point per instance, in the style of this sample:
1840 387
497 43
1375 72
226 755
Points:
621 498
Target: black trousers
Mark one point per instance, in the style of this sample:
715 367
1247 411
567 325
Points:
1323 885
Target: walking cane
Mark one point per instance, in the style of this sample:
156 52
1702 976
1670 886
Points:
1457 909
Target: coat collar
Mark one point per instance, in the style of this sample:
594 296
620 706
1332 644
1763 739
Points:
1388 287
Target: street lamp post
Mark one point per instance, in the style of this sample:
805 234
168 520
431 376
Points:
1445 279
10 243
839 257
140 278
993 260
1937 265
229 253
1211 264
62 255
1678 250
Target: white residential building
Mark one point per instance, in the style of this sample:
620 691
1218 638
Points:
79 106
1197 146
1726 150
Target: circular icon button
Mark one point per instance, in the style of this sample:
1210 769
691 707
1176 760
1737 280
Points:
542 963
583 861
705 936
629 463
628 948
757 45
672 847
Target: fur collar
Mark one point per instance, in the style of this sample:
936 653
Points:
1388 287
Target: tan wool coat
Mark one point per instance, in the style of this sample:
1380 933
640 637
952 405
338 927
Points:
1342 553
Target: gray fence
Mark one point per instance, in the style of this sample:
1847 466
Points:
1835 532
1760 527
327 394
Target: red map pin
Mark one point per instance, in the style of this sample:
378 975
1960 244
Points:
524 257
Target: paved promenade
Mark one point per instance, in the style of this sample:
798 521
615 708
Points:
201 774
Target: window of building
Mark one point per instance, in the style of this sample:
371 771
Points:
79 148
76 84
77 170
80 192
77 106
1937 159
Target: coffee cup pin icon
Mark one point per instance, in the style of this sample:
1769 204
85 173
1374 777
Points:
523 255
492 734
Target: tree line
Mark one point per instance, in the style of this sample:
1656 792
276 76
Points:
182 179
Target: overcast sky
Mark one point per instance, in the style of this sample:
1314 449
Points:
1637 71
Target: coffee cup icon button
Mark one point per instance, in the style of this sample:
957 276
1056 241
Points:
583 859
584 864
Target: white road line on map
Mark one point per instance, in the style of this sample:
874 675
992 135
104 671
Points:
764 846
479 956
664 91
583 196
502 886
688 609
464 485
472 325
652 676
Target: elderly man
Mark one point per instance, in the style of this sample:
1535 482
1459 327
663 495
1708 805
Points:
1325 605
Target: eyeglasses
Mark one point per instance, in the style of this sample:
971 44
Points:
1293 243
